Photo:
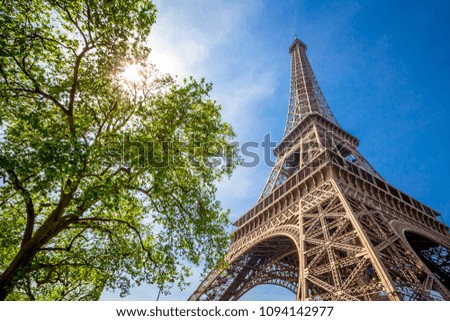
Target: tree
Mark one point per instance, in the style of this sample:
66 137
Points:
103 182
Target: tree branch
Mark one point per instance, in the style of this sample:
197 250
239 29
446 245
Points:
4 201
99 131
28 205
63 8
36 35
28 291
36 89
69 247
73 90
128 224
88 21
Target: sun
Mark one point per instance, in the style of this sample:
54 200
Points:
132 73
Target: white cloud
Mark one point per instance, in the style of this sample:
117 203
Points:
240 100
187 31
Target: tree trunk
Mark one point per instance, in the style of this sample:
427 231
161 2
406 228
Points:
26 254
8 278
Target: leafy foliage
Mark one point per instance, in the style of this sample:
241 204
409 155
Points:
103 182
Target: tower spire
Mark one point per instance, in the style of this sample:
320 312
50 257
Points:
309 111
305 96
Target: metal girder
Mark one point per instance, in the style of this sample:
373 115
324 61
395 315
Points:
327 226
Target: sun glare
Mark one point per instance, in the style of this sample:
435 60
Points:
131 73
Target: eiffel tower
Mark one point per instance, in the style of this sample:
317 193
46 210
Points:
327 226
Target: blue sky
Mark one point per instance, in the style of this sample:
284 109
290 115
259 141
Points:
384 68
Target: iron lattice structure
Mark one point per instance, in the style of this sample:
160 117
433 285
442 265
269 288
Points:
327 226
